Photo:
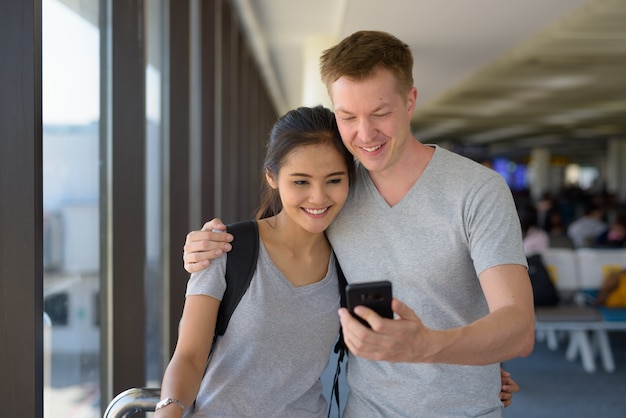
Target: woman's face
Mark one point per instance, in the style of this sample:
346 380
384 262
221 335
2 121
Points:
313 185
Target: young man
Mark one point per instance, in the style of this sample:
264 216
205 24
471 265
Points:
443 229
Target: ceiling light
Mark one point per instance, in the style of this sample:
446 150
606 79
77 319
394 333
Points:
574 116
562 82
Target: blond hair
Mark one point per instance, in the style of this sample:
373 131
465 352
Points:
362 53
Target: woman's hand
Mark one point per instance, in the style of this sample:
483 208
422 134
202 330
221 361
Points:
509 387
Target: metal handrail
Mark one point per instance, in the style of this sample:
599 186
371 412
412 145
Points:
131 401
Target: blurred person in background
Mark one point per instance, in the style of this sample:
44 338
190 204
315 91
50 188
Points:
615 235
585 230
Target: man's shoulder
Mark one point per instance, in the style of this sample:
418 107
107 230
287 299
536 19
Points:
447 164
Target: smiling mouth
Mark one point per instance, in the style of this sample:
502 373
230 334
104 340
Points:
316 211
372 149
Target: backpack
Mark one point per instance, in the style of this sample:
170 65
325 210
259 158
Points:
544 290
240 267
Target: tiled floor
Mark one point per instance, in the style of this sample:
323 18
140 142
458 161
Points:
553 387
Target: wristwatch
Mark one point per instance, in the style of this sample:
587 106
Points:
165 402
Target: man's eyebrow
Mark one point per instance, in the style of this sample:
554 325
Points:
380 107
339 109
337 173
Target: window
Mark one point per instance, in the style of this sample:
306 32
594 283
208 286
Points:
71 113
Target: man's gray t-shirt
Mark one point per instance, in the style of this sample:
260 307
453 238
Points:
276 347
457 220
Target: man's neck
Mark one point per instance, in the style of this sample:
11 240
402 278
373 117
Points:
396 181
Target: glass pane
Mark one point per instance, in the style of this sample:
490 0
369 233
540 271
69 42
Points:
154 284
70 72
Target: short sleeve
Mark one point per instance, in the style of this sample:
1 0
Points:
209 281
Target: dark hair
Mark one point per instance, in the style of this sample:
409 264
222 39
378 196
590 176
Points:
363 52
592 208
528 217
297 128
620 219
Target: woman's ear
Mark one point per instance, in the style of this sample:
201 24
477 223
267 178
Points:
271 180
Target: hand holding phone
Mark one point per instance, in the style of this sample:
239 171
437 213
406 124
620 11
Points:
374 295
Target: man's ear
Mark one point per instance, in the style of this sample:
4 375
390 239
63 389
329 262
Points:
412 99
271 180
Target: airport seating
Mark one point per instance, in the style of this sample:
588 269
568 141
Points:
595 264
578 274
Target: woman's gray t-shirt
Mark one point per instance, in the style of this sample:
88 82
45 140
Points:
276 347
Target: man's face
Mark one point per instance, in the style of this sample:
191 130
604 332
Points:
374 118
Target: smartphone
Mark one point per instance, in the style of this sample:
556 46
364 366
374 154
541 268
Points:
374 295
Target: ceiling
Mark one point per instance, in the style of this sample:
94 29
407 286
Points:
493 77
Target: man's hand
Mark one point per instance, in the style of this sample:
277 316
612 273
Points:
397 340
205 245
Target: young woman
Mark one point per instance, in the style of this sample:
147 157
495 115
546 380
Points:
269 361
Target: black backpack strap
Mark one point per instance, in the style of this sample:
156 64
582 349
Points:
341 280
240 266
340 346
